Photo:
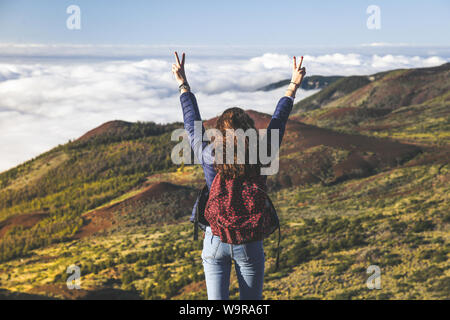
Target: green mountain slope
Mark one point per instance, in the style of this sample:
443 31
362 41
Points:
332 92
412 105
79 176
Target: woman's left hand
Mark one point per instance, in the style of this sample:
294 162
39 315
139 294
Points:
178 69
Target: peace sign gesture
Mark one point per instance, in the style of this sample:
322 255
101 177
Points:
297 72
178 69
297 77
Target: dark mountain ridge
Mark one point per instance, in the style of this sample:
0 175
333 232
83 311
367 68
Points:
309 83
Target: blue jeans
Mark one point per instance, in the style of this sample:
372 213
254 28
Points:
248 262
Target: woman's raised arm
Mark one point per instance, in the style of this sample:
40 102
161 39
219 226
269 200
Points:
191 116
285 104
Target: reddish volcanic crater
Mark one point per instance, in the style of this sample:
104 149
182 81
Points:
25 221
104 218
110 127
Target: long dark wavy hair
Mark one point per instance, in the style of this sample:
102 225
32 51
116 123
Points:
236 118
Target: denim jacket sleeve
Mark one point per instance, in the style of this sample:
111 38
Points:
202 149
278 121
280 116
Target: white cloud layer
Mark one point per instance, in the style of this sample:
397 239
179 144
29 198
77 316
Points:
47 102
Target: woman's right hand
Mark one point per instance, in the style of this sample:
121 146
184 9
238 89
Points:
298 72
178 69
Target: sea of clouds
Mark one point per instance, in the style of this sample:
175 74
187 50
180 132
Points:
47 101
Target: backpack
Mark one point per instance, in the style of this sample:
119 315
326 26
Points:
237 210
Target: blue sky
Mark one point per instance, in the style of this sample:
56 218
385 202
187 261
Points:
199 22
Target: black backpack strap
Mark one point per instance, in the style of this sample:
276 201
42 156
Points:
278 248
196 224
201 197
